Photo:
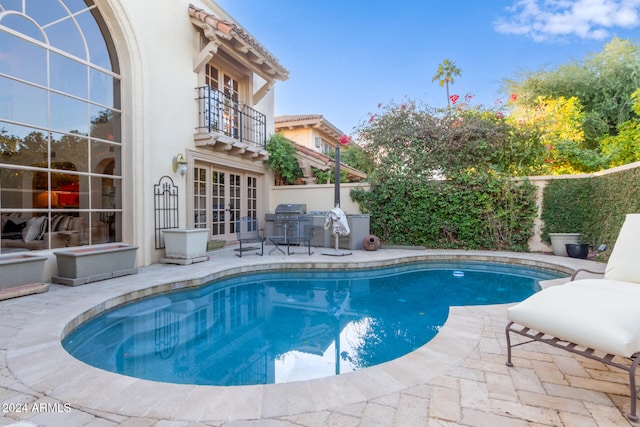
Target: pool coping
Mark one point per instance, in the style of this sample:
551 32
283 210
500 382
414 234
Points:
36 357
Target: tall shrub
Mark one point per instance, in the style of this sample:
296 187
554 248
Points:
474 211
613 197
595 207
282 160
566 207
442 180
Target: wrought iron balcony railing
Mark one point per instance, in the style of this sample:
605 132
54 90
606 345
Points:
219 113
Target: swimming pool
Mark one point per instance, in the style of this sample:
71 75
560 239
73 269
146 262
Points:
287 326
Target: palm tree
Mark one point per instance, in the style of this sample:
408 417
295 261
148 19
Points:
445 74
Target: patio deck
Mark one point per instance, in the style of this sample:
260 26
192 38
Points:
457 379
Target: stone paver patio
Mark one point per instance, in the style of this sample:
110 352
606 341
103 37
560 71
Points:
457 379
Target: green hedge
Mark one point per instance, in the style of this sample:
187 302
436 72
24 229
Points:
595 207
488 212
566 207
470 212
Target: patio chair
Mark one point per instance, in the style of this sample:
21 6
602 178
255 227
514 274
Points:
304 235
595 318
247 231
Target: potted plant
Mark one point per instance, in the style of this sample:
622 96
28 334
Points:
578 250
565 212
560 240
185 245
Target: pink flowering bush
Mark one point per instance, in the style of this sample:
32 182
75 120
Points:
442 180
415 140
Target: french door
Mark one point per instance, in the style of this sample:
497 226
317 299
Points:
221 196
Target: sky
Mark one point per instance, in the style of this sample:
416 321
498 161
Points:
346 57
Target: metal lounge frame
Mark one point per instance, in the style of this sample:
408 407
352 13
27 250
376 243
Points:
607 359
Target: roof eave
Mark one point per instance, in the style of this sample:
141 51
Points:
238 43
311 121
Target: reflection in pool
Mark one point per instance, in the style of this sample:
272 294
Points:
287 326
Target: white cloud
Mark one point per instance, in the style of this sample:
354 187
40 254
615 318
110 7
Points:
556 19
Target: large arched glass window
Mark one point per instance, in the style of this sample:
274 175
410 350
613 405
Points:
60 138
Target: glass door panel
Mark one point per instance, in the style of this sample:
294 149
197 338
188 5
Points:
235 200
220 197
200 197
252 197
218 204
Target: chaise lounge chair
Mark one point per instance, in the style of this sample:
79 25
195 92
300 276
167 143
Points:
595 318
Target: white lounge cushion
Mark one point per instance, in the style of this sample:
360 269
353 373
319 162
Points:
596 313
609 286
624 262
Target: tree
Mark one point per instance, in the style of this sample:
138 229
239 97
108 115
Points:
445 76
445 180
402 140
282 159
559 122
413 142
602 82
624 147
356 157
9 144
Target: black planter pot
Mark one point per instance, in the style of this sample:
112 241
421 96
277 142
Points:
577 250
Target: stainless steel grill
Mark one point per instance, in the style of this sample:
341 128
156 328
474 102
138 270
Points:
286 220
291 209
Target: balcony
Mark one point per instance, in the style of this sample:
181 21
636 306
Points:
230 126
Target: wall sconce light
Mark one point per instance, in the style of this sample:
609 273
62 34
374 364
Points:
180 164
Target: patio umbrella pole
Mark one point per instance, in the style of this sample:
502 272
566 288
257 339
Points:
336 203
336 189
336 181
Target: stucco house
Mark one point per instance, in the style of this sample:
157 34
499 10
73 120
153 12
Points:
102 102
316 139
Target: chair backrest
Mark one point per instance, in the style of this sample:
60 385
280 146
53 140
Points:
247 228
307 229
624 262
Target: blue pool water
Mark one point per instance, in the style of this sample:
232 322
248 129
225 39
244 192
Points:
287 326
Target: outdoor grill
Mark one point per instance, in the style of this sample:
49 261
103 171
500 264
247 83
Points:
287 216
293 217
285 210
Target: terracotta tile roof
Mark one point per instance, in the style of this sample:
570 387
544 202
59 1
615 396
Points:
323 162
234 31
210 19
298 117
321 158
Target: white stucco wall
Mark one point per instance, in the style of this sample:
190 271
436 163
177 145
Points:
317 197
267 104
304 137
156 54
156 47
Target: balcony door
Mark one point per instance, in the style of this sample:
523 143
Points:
220 196
224 89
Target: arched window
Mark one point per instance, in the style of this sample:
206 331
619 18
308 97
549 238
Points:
60 137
